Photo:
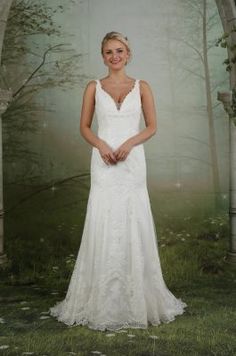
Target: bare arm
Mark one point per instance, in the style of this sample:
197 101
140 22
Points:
149 113
87 112
86 118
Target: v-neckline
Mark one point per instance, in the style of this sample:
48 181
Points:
113 100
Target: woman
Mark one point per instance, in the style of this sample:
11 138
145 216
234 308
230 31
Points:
117 280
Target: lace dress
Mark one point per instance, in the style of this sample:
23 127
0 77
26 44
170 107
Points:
117 279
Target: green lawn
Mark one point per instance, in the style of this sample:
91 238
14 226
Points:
42 236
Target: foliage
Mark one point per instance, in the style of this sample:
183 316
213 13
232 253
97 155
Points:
33 61
224 42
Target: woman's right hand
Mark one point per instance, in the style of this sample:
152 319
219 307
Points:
106 153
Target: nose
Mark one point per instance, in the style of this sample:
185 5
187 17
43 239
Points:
115 55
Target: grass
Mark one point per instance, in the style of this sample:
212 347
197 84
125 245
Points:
42 243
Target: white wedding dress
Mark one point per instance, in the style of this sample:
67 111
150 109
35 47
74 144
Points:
117 279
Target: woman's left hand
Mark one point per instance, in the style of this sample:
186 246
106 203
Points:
122 152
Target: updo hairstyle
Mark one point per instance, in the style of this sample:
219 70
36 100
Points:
117 36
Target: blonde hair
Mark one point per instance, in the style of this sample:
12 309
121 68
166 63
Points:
117 36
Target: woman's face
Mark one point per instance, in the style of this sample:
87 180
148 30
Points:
115 54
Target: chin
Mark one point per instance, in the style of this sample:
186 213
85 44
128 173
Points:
121 65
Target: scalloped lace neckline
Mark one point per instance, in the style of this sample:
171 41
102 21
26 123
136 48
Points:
126 96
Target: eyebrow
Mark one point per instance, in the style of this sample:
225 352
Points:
116 48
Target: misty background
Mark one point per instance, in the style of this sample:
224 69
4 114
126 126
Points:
181 62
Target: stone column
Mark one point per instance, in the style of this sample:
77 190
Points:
5 98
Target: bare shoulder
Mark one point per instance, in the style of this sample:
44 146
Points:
89 91
91 85
144 87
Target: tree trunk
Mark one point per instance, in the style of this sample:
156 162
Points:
227 11
212 139
5 97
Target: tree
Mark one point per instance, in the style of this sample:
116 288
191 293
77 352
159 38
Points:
21 21
227 11
5 97
202 18
32 38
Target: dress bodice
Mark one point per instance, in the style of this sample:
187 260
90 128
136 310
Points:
117 123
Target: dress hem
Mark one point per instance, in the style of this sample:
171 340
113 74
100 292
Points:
116 327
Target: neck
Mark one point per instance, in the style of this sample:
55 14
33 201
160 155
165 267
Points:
117 76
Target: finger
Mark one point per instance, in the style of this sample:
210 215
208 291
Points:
113 157
106 160
118 155
122 154
111 161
